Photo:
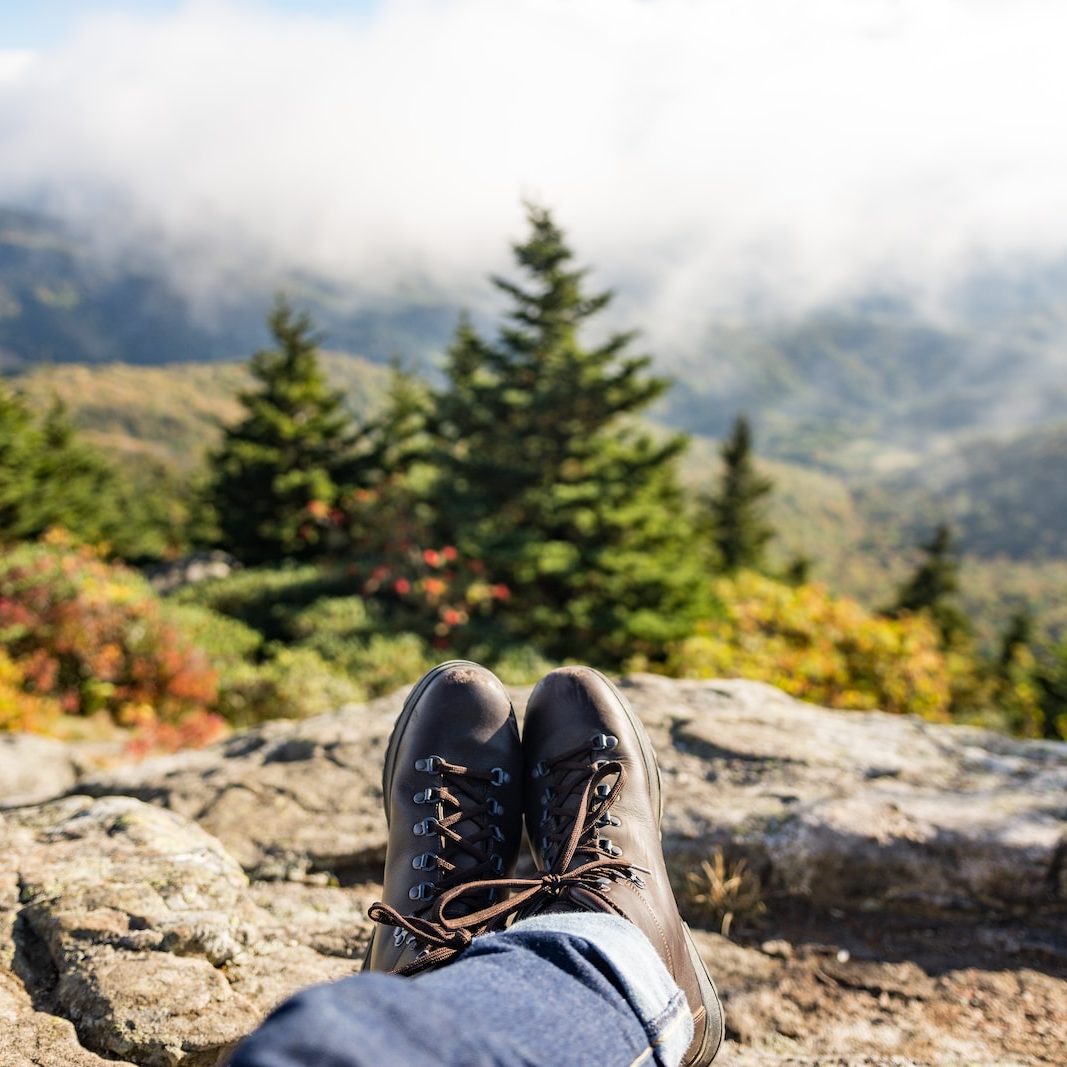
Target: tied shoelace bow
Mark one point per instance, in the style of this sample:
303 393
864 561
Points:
460 793
447 935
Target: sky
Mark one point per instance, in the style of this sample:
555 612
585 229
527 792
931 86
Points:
704 155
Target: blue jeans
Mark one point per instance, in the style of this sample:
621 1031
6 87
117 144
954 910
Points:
572 988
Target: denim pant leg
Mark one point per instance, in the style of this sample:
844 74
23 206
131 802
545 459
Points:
560 990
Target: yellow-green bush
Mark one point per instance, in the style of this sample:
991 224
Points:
19 709
817 647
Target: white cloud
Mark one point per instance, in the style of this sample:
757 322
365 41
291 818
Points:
693 149
14 62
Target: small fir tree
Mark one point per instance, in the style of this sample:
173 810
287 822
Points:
934 585
736 510
1050 677
546 479
1014 691
388 508
76 487
18 447
50 477
279 472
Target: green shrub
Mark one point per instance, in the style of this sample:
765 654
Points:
225 641
519 665
262 597
385 662
294 683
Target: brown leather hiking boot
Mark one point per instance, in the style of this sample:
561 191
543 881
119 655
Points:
452 788
593 809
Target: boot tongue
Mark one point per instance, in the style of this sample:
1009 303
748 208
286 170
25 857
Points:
459 857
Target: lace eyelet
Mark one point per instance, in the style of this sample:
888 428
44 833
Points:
498 863
499 776
427 861
427 796
540 770
494 807
429 764
422 891
422 829
600 742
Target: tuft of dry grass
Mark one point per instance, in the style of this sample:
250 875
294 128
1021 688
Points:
721 892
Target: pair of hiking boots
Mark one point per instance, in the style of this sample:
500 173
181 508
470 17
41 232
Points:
458 784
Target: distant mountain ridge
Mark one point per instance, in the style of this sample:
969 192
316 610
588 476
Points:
61 302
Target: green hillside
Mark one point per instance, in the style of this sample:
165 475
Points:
172 414
856 388
1004 497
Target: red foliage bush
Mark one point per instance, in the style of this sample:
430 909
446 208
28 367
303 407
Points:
92 637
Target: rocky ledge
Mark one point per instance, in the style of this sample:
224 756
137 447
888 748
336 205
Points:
153 913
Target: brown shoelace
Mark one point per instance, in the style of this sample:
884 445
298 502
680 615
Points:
447 935
464 794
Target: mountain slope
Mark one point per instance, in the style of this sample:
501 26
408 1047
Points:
173 414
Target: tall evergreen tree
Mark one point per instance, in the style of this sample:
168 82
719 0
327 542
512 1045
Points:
934 585
281 468
547 479
736 510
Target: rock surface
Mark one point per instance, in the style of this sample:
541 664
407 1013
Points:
137 927
932 857
843 808
35 768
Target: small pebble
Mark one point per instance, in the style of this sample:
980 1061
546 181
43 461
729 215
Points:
782 950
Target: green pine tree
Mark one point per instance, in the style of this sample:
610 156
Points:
50 477
19 447
281 469
1017 637
546 478
736 510
934 585
391 473
76 487
1050 677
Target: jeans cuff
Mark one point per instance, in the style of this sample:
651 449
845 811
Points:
641 975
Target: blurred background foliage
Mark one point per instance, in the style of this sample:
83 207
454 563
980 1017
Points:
530 502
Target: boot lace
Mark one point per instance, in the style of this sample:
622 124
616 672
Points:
458 795
581 788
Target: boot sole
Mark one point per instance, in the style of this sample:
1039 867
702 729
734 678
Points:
713 1027
709 996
